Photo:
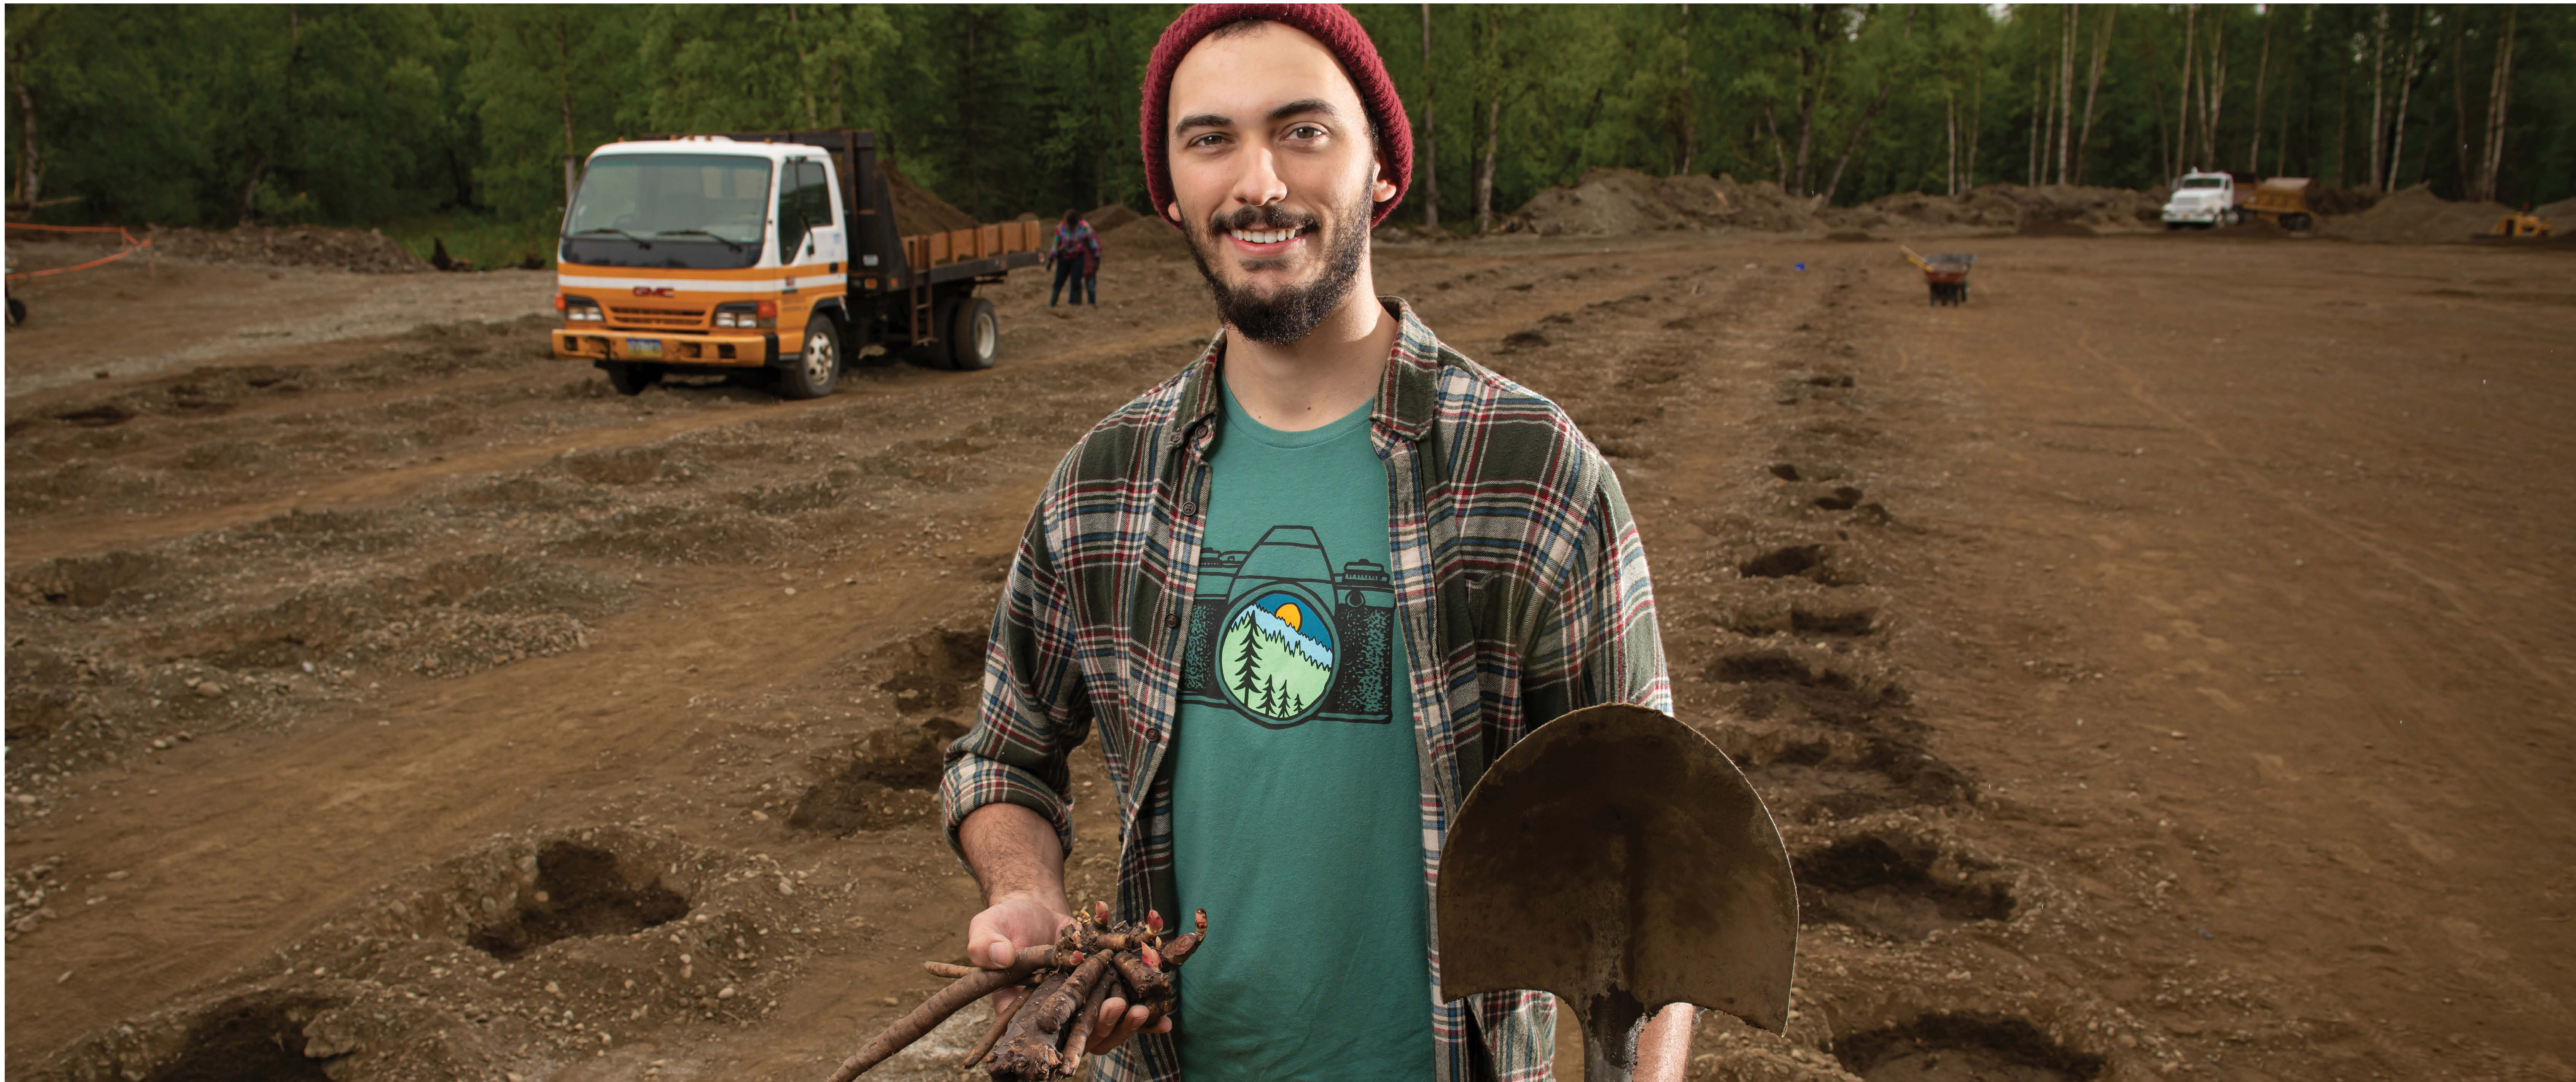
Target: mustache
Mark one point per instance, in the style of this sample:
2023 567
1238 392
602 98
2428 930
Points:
1263 217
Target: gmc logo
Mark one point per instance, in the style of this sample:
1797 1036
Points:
650 291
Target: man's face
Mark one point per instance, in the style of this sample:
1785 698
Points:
1274 178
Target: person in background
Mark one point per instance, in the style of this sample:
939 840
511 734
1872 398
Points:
1075 255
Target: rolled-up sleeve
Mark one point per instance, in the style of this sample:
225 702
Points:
1598 642
1034 710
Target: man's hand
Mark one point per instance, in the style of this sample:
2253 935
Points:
1118 1022
1012 923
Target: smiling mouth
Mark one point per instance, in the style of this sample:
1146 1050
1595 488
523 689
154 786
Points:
1265 236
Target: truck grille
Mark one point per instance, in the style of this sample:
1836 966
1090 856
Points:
658 317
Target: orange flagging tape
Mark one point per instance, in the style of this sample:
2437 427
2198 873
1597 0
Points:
131 246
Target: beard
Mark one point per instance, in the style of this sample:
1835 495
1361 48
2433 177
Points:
1292 312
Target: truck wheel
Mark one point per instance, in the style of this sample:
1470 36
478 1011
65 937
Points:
2297 223
818 367
974 336
631 379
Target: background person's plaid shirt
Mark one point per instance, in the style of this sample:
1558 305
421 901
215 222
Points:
1520 577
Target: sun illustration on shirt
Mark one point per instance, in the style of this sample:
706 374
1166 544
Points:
1276 658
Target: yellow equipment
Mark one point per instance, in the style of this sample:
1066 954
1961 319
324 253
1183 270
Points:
2521 223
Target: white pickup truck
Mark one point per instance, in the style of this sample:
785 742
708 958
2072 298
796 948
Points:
2204 200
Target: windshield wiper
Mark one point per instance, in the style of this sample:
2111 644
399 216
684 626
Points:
612 229
733 244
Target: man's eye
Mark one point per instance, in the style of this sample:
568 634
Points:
1305 131
1208 139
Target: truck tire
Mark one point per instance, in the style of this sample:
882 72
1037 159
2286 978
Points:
2297 223
974 335
631 379
818 363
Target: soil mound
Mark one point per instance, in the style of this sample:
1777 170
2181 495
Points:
2326 201
2053 210
2560 215
1611 202
362 251
2416 216
1104 219
1143 237
916 211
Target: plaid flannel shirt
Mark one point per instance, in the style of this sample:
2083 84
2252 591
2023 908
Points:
1521 582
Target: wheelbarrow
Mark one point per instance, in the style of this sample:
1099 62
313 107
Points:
1945 272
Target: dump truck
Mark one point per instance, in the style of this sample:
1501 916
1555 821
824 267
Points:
770 254
2208 200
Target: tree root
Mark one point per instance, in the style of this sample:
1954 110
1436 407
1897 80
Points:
1073 976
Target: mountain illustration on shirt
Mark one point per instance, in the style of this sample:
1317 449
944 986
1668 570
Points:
1276 659
1283 636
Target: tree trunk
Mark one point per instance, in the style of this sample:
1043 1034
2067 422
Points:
1485 168
1950 124
2378 84
1853 145
2499 100
2460 101
2093 85
31 177
796 29
2182 107
2405 96
2262 70
1976 106
2038 106
1779 152
1690 99
1811 68
563 89
1430 157
2214 93
2065 89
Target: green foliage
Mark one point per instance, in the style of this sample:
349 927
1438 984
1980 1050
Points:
370 115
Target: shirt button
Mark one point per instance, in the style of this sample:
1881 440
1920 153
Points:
1190 509
1172 620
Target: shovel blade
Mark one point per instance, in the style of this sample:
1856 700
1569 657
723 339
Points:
1618 859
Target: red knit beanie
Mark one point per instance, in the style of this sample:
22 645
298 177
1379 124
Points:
1327 23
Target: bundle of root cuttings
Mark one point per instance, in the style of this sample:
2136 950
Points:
1044 1033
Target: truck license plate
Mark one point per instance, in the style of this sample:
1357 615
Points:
644 347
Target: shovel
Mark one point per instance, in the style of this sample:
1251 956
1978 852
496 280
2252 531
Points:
1617 859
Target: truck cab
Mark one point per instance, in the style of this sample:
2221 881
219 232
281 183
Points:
2202 199
767 253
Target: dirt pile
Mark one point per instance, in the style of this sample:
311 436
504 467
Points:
359 251
916 211
2416 216
2561 214
1614 202
1104 219
1144 236
2048 210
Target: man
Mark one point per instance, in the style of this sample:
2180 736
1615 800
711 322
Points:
1307 589
1076 256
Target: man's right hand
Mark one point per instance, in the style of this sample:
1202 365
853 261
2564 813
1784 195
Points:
1011 924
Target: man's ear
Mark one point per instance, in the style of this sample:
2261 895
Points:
1381 189
1173 212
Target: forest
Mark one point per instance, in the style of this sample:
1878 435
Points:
463 118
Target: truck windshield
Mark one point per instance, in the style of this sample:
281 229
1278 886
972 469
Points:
705 211
2203 182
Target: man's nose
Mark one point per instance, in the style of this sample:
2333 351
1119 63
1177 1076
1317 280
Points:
1258 184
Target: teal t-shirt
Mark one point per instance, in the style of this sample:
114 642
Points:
1296 794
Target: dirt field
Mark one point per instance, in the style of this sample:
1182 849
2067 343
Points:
2160 666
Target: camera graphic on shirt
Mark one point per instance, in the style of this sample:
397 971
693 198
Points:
1279 636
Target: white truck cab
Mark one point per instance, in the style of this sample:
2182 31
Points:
2202 199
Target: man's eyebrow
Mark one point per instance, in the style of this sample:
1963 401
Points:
1300 107
1303 106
